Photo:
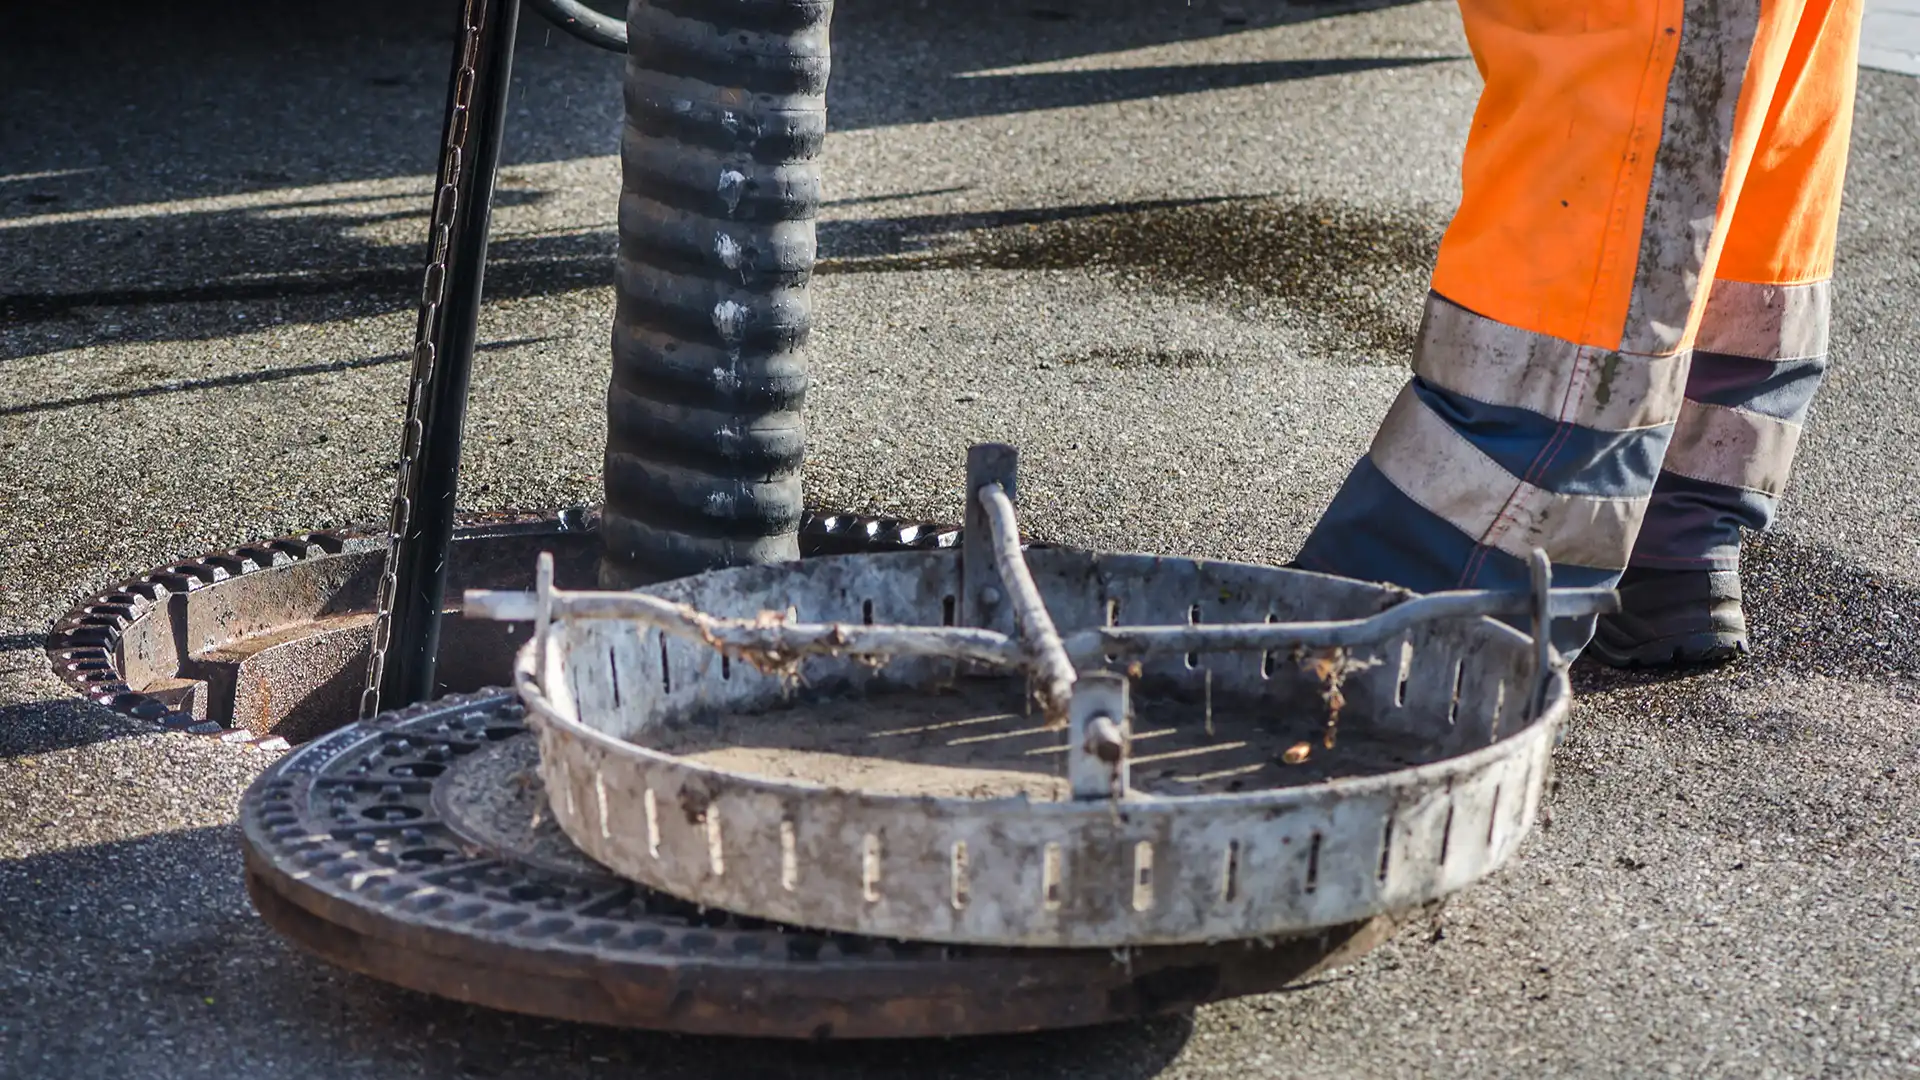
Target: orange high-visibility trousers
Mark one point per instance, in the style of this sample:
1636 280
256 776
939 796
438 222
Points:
1629 312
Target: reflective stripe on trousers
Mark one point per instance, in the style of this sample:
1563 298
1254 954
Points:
1629 314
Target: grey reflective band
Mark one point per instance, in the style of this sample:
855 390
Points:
1732 447
1435 466
1766 322
1605 389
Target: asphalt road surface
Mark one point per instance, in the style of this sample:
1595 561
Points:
1174 250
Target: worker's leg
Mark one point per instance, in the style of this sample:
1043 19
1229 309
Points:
1757 362
1605 156
1762 345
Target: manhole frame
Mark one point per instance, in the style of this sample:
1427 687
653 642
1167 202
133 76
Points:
84 646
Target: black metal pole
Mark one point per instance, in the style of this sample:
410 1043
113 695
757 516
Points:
413 589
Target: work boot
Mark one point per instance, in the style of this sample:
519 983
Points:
1673 618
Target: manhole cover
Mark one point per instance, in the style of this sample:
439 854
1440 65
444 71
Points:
407 847
413 848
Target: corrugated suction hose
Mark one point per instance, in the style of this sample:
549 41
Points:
725 119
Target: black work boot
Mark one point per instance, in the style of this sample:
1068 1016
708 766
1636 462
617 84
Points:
1673 618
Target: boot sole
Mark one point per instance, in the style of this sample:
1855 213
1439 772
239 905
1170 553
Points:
1688 650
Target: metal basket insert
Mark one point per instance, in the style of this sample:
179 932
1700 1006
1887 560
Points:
1179 740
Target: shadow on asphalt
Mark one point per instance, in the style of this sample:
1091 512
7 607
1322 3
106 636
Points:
958 97
48 727
179 66
245 378
219 101
1356 269
206 961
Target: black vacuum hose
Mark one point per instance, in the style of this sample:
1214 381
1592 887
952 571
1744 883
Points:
576 18
725 118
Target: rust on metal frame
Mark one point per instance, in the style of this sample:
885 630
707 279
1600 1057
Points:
85 647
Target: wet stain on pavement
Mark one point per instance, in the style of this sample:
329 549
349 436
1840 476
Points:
1124 358
1349 275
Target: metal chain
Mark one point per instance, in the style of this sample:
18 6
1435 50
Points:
432 296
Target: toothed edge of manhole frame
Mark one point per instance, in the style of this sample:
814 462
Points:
82 645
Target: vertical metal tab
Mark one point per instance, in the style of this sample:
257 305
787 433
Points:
1546 660
983 596
1099 734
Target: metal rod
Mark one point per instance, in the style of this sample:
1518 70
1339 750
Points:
1000 650
413 589
773 644
1250 637
1545 657
1045 653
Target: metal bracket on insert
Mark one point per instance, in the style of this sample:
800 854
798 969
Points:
543 610
1099 736
983 595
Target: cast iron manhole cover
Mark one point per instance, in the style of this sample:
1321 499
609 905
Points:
414 848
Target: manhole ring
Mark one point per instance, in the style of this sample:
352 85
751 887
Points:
84 647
